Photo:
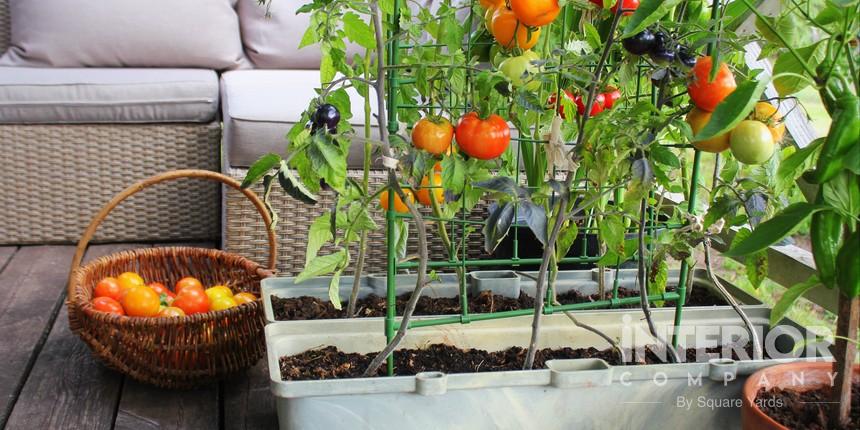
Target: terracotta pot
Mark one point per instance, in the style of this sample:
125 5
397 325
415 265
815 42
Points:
815 375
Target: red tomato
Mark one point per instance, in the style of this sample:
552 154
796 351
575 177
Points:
192 301
611 96
629 6
706 95
160 289
187 282
484 139
560 108
107 304
596 108
108 287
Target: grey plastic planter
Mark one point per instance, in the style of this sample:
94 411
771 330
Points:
584 281
568 394
504 283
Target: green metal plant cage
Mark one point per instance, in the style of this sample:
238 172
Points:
394 80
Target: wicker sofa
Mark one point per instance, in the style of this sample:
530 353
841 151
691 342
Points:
61 167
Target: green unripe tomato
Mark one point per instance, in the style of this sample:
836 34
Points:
751 142
516 68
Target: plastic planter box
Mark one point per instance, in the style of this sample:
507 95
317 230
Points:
584 281
569 394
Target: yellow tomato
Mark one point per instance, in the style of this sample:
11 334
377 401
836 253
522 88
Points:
219 291
221 303
242 298
129 280
425 190
767 113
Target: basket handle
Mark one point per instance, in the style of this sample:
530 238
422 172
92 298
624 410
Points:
164 177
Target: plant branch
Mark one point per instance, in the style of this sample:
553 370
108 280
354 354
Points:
643 285
561 216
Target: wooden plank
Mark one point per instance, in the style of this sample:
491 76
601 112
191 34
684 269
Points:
248 400
31 291
145 407
67 387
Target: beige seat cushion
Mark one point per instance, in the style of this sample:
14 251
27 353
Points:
49 95
125 33
260 107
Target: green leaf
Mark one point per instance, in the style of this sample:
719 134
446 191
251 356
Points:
319 233
774 229
360 217
268 180
788 63
658 276
294 187
843 193
789 169
722 206
611 231
565 239
401 238
260 168
734 109
322 265
663 155
497 226
327 67
329 160
358 31
789 297
535 217
334 291
454 174
648 12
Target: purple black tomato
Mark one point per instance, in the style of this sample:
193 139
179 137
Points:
685 57
664 49
640 44
326 116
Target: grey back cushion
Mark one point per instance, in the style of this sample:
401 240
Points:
125 33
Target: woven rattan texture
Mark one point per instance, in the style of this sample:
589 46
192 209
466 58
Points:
55 177
173 352
245 233
5 25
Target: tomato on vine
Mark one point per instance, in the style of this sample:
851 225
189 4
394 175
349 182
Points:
435 189
560 108
519 70
640 43
535 12
767 113
487 4
697 119
399 205
707 94
752 142
510 33
610 96
484 139
628 6
433 134
596 107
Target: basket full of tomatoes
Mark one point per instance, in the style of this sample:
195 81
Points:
174 317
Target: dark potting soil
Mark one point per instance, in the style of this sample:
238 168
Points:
331 363
806 410
310 308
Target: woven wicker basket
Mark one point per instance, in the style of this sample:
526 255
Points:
172 352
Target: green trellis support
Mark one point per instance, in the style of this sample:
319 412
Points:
393 49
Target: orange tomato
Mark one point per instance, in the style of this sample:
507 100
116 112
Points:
433 135
141 302
192 301
697 119
107 304
171 311
535 12
108 287
488 19
767 113
242 298
509 32
706 94
187 282
438 166
399 205
425 190
487 4
129 280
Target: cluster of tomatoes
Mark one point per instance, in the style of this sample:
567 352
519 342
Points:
128 294
754 140
660 47
602 101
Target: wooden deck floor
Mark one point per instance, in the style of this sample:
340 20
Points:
50 380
